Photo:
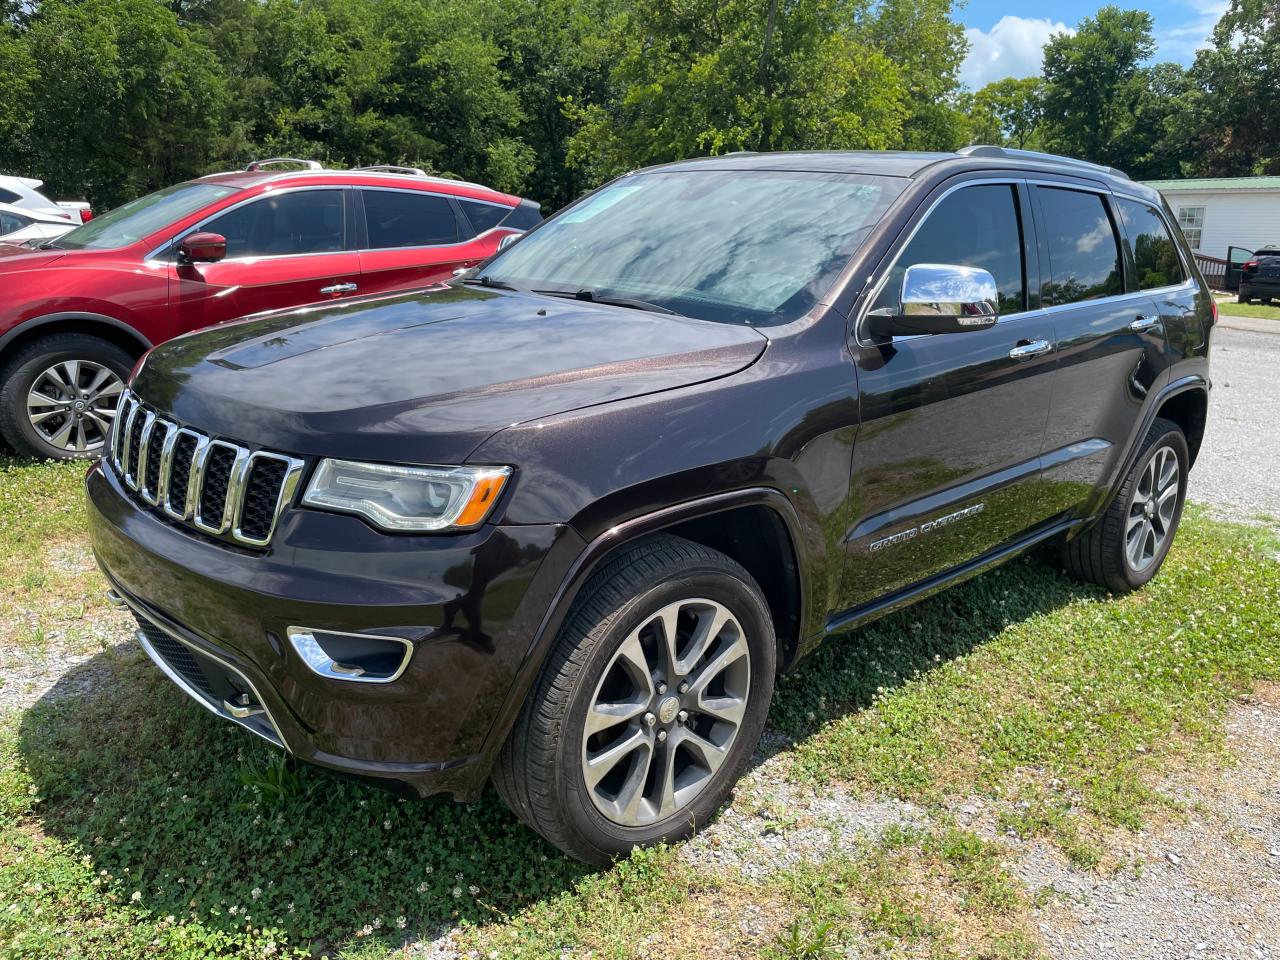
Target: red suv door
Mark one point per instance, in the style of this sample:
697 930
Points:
412 238
284 249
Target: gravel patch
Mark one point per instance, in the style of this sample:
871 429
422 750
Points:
50 674
1235 474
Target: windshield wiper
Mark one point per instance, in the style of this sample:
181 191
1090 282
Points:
590 296
49 245
487 281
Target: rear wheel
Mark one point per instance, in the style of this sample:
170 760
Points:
649 707
1126 547
58 396
1242 298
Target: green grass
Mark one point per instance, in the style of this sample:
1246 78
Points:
1229 307
133 824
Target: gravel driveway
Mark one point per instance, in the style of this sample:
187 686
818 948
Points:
1238 471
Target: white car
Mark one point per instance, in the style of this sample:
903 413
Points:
24 192
23 225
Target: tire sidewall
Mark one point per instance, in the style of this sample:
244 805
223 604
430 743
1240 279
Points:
20 377
742 599
1173 439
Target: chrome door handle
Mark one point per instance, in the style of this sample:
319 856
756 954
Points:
1033 348
1143 323
339 288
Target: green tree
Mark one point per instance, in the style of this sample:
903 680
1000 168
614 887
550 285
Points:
125 100
1231 121
708 77
1094 83
928 47
17 80
1011 108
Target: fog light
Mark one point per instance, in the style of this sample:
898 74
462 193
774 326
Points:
361 657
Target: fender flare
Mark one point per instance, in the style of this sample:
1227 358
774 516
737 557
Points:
588 561
46 319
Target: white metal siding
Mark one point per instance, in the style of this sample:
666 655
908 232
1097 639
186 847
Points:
1238 218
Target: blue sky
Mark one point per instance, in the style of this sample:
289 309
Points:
1005 39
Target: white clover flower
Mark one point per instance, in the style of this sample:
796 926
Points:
256 892
457 891
422 887
400 922
473 889
386 824
430 869
137 895
364 931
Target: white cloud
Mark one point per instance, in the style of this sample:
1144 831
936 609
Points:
1181 41
1014 47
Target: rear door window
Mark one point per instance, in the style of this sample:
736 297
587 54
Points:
401 218
8 196
1151 247
974 227
302 221
1084 251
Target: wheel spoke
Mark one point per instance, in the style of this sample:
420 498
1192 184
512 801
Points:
632 657
39 418
666 791
37 399
80 437
1134 520
734 651
1135 542
60 438
112 389
711 755
600 763
72 368
1168 470
55 375
631 795
602 716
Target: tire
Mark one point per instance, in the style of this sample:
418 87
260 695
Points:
1104 554
74 420
1241 298
609 640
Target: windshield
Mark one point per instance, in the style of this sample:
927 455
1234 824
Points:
744 246
139 218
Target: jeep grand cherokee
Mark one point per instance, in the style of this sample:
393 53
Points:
561 522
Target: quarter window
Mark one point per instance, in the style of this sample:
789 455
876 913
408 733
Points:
1151 248
303 221
398 218
8 196
1191 220
1084 252
973 227
484 216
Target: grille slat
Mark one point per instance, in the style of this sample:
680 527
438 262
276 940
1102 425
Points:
234 493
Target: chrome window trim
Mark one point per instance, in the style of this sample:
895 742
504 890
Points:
296 634
154 255
1158 209
288 486
416 246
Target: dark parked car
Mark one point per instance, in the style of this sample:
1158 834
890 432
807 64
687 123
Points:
78 311
1260 276
561 523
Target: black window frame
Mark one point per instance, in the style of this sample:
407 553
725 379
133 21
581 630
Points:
471 230
362 218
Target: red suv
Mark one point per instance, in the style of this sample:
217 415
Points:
77 312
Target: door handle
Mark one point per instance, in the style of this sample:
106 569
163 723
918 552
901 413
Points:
1029 348
339 288
1143 323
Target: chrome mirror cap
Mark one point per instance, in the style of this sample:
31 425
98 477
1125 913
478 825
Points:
941 298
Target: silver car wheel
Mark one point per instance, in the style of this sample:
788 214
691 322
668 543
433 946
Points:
1151 514
666 712
72 404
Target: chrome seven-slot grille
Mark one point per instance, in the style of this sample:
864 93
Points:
219 487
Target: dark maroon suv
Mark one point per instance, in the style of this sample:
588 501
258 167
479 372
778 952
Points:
561 522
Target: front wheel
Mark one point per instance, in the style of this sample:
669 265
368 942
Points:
58 396
649 706
1126 547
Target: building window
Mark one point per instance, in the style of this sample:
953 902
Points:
1191 220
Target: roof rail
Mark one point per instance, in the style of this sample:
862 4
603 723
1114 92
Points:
259 164
392 168
1012 153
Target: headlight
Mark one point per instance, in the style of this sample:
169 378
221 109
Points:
413 499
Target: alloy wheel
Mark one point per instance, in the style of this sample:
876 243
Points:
1151 514
666 712
72 404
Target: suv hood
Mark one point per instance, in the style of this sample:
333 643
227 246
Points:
426 377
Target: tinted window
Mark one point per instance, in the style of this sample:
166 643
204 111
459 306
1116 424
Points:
10 222
8 196
304 221
1155 258
733 246
973 227
524 217
484 216
398 218
1084 256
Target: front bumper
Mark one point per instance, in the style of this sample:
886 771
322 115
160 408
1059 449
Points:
468 603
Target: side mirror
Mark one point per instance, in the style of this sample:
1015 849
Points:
202 248
941 298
